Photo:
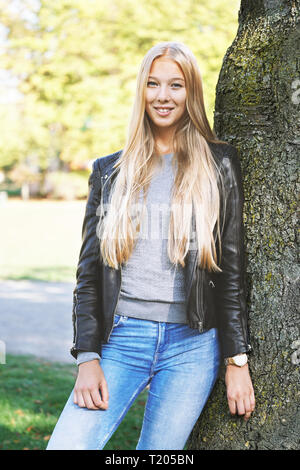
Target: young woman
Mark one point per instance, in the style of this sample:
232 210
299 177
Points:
160 294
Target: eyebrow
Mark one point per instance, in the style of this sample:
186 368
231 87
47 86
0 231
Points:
171 79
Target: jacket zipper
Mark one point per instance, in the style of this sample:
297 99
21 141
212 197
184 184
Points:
199 298
107 178
113 319
75 317
193 273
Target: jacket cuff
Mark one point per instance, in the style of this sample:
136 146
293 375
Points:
231 350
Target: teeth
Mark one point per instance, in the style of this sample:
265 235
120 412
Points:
163 110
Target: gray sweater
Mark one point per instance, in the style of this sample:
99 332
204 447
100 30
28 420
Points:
152 288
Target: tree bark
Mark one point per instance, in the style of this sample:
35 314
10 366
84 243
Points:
257 106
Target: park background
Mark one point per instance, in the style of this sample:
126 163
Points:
68 72
67 80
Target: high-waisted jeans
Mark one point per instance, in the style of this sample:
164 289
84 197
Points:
180 364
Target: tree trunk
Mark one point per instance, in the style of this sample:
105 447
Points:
257 104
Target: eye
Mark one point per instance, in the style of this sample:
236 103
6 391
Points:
150 83
176 85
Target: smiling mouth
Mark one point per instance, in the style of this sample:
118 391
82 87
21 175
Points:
163 111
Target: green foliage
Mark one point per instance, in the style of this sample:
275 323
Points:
77 63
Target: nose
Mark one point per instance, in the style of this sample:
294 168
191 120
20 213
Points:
162 94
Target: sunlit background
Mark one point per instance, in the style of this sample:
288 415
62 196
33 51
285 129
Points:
67 79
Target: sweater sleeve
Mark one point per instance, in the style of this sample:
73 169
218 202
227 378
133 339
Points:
86 357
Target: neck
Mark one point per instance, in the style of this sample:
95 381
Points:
164 141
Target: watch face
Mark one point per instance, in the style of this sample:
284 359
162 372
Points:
240 360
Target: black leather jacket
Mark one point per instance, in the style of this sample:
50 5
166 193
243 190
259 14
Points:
213 299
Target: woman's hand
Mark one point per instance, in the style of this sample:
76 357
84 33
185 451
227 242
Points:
90 380
240 393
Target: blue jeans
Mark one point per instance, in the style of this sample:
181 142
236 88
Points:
181 366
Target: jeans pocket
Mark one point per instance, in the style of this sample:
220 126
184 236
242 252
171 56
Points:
119 319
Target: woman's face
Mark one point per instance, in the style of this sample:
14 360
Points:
165 93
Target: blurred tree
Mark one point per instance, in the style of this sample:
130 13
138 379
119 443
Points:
77 63
257 109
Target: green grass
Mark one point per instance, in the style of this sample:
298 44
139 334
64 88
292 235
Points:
33 393
40 240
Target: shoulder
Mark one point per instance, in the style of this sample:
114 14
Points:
227 158
224 152
106 162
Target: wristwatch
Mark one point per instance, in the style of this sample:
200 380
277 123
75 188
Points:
239 360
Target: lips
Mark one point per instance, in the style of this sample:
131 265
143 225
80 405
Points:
163 111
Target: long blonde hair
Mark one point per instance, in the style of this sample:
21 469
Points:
196 180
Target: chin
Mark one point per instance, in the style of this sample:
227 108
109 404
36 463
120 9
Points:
163 122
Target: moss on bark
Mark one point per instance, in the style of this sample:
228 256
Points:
257 110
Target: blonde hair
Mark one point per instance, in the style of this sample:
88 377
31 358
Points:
196 179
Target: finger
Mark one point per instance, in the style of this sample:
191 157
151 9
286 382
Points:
75 398
232 406
88 400
240 406
252 400
104 392
80 400
248 408
95 395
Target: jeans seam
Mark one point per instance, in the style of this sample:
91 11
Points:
116 423
156 350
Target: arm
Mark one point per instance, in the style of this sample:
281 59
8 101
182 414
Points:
87 340
230 283
233 321
85 295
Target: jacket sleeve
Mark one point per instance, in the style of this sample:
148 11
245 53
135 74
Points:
86 315
231 288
